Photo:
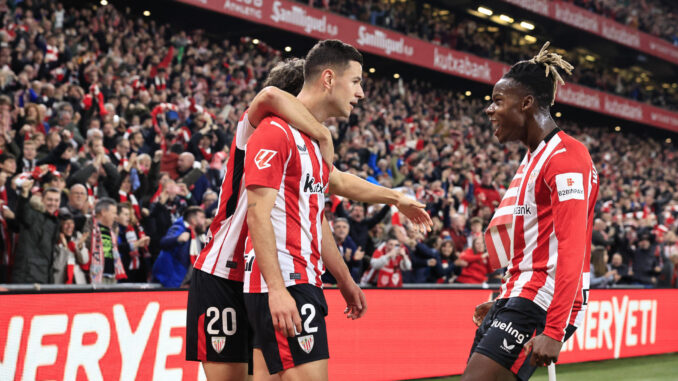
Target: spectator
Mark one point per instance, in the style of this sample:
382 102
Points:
106 265
180 246
359 225
353 255
478 264
77 206
646 261
388 262
602 274
38 232
190 178
623 275
457 232
71 258
449 267
133 245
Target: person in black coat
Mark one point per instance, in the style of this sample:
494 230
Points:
38 232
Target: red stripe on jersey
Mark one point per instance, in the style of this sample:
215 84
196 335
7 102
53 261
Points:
284 349
541 254
314 208
202 343
504 235
518 225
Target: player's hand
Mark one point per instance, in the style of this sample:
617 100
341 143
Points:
545 350
480 312
415 211
284 312
356 306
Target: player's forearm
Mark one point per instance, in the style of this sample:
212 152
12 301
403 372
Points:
569 267
353 187
273 100
263 240
332 257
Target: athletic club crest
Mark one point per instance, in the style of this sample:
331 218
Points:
532 179
218 343
306 343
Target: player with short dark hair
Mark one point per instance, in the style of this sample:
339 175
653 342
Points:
286 180
217 283
541 230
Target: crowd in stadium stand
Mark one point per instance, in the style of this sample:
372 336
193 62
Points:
656 17
115 131
462 32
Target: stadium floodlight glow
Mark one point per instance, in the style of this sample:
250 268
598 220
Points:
485 11
104 2
505 18
147 13
527 25
617 128
396 75
255 41
288 49
530 39
468 93
372 70
559 114
487 97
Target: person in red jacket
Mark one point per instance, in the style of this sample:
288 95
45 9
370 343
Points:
478 264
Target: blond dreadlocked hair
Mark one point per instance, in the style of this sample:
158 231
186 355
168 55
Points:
530 74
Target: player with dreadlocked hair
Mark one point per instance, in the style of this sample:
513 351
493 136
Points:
541 230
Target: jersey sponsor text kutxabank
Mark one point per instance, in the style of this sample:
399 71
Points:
281 157
223 256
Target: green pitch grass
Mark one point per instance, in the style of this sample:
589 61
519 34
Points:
650 368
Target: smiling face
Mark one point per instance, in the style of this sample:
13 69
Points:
506 112
346 89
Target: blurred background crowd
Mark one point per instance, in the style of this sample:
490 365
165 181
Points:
115 129
458 30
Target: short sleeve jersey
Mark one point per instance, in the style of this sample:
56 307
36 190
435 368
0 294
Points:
281 157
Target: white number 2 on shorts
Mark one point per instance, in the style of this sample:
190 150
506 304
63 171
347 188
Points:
309 309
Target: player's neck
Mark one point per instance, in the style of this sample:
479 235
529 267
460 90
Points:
538 128
314 103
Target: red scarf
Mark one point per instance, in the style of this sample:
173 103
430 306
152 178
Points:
91 193
129 197
194 247
71 263
131 236
206 153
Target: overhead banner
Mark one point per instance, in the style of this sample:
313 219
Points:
580 18
405 334
319 24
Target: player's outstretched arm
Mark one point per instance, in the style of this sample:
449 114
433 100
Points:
282 305
353 187
353 295
285 105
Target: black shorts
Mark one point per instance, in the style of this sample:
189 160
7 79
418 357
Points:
281 352
216 321
508 325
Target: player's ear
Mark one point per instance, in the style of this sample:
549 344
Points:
528 101
328 78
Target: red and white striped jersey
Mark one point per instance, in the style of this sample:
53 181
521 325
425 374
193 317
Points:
552 199
224 254
281 157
